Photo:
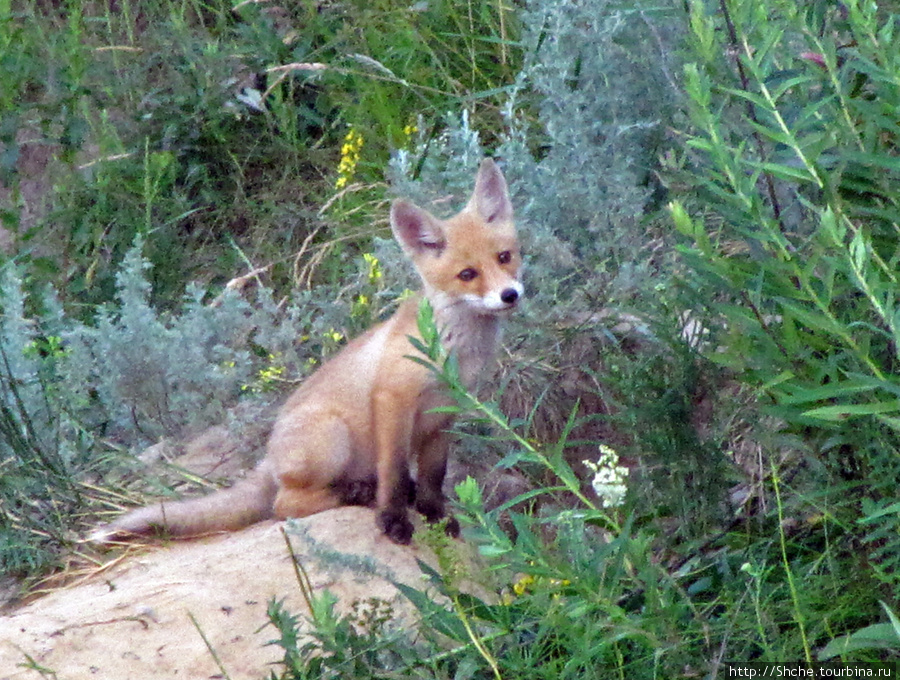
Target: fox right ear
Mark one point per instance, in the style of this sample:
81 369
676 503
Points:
490 199
416 229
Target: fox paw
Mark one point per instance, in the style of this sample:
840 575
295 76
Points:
396 526
434 513
452 527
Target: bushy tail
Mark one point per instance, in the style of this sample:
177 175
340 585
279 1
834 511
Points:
249 501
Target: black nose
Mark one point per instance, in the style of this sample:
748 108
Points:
509 296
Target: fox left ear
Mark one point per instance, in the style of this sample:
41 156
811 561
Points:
490 199
416 229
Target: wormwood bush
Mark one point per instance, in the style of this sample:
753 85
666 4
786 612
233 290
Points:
72 391
793 242
579 142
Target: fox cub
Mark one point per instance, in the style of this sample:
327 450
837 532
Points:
349 434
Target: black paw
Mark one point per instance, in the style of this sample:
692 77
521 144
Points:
452 527
435 513
396 526
356 492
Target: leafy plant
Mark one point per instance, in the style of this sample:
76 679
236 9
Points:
576 593
41 442
876 636
188 122
74 392
792 237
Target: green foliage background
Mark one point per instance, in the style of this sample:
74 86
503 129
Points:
708 197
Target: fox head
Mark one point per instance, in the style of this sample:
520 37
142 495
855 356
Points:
471 259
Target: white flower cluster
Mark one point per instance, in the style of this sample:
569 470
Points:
609 477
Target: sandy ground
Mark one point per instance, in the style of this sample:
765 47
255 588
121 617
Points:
134 620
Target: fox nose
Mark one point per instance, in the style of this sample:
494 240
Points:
509 296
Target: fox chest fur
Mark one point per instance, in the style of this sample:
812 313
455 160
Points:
352 383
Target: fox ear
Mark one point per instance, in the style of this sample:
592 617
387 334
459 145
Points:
490 199
416 229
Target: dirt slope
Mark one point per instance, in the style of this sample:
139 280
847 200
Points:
133 622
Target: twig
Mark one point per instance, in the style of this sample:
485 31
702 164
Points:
285 70
751 113
240 282
209 647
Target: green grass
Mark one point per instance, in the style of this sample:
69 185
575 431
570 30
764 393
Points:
145 107
761 520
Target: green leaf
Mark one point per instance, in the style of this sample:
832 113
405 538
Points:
895 621
831 391
873 160
779 88
844 411
783 171
775 134
688 227
697 86
528 495
859 251
893 423
468 492
892 509
782 377
493 551
439 618
751 97
811 319
515 457
877 636
831 227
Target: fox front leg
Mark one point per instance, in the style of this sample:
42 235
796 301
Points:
393 437
430 499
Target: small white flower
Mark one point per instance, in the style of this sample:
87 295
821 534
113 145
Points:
609 477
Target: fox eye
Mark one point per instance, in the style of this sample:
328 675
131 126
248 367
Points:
467 274
504 257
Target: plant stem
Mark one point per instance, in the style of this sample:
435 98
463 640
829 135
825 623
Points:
479 645
798 614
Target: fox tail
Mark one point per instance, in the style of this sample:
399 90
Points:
249 501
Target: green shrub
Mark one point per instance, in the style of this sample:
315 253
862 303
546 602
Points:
75 392
793 157
579 147
198 125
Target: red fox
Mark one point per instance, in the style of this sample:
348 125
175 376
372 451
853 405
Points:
349 434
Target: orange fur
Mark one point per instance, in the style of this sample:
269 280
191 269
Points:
351 432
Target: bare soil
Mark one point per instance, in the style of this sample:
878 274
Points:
134 620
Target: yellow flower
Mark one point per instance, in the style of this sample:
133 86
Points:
374 266
350 155
268 377
520 586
